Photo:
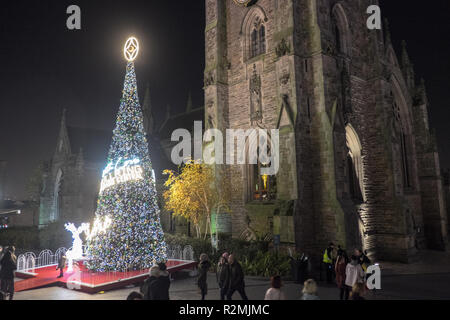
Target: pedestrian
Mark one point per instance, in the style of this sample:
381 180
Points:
223 275
310 290
61 265
275 293
163 282
147 289
8 266
353 274
236 279
328 258
340 270
203 268
358 291
135 296
363 260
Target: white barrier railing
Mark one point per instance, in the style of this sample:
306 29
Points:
175 252
29 262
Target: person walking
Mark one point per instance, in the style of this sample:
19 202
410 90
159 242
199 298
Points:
310 290
340 269
223 275
353 274
148 289
8 265
203 269
328 257
61 265
236 279
275 293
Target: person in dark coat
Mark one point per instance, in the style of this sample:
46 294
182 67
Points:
236 279
223 275
148 289
61 265
8 266
163 283
203 268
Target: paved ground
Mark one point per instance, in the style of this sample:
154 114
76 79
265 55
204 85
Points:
427 279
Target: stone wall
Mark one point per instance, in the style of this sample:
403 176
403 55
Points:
315 85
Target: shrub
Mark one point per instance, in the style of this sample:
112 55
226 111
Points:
255 257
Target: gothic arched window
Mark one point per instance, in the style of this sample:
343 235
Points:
258 39
260 186
403 144
263 186
57 197
341 30
253 32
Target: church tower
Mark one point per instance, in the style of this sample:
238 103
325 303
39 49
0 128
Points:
343 106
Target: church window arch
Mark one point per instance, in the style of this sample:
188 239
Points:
341 30
57 197
402 131
259 187
254 32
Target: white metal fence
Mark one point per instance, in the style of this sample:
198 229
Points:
29 262
177 253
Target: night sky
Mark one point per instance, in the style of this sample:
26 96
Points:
45 67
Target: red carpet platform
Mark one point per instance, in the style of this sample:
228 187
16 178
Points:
87 281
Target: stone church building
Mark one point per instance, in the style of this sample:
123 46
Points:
358 165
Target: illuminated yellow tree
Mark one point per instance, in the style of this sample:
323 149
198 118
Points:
194 193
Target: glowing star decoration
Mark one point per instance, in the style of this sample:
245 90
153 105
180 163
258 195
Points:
131 49
122 171
77 247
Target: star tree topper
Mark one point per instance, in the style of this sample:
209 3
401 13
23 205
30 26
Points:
131 49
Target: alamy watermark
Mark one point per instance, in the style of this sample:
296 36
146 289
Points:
73 22
373 277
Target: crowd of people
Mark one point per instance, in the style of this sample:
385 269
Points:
349 272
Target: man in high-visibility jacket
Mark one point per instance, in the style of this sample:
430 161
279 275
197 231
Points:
328 257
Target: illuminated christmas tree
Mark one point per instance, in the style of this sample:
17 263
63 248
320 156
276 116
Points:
127 233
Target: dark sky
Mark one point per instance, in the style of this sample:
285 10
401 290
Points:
45 67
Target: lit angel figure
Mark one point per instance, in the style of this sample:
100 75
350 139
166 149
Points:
77 247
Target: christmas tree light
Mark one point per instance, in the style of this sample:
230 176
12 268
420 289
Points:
127 233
